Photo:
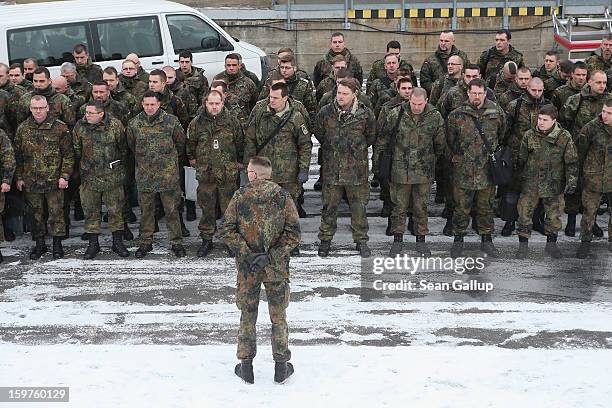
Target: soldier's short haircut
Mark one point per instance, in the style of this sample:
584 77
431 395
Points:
42 70
186 54
403 72
159 73
79 48
524 70
391 55
280 86
222 84
215 92
607 37
32 60
127 61
16 65
337 34
552 53
284 50
110 71
457 57
608 103
447 32
68 67
233 56
579 65
151 94
393 44
350 83
97 105
262 166
239 56
567 67
418 91
288 58
535 80
478 83
549 110
276 76
38 98
597 71
344 73
338 58
4 67
512 67
472 67
99 83
404 80
505 31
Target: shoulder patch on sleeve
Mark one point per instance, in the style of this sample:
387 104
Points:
304 129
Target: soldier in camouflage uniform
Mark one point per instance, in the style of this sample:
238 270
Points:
505 78
595 152
443 84
249 74
118 91
261 227
7 168
420 141
516 89
14 92
288 51
131 81
601 59
548 166
100 144
101 93
471 167
45 160
59 105
79 85
345 129
230 102
379 71
330 96
85 68
193 77
558 78
215 144
238 84
141 74
492 60
29 66
323 68
17 77
435 66
157 140
174 83
329 83
391 93
550 68
281 133
60 85
380 85
572 87
577 111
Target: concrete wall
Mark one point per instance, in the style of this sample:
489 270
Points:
310 40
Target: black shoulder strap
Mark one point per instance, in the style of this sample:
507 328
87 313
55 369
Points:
272 135
393 135
482 136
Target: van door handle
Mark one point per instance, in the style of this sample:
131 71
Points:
157 62
175 60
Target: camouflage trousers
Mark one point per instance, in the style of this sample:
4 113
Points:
247 300
553 207
590 205
1 215
573 202
295 189
357 197
402 195
385 195
35 203
482 200
209 196
169 200
92 207
446 185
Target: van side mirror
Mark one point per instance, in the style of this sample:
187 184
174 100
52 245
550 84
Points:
224 44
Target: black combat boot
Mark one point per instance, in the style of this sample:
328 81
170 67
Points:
318 186
364 250
396 247
191 210
410 226
184 231
118 247
93 248
58 250
448 227
282 371
374 183
324 247
538 219
570 227
244 370
457 248
127 233
486 246
523 249
205 248
474 224
386 211
142 250
178 250
388 231
295 251
9 235
551 247
597 232
301 211
583 250
131 217
85 236
39 249
156 228
421 246
508 228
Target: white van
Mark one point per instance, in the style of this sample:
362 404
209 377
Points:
155 30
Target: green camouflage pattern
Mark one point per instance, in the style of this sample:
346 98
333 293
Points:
553 208
330 97
457 96
300 89
120 94
562 94
492 61
7 168
466 201
594 146
378 72
41 204
409 196
148 202
435 67
12 105
197 83
513 93
553 83
90 72
134 85
377 88
573 119
441 87
92 201
590 205
111 107
326 85
59 106
597 62
323 68
81 87
357 196
243 88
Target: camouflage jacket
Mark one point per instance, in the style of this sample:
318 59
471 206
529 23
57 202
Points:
81 87
326 85
244 89
502 84
330 97
197 83
44 153
377 88
420 139
492 61
15 93
595 153
597 62
262 218
455 97
441 87
5 98
217 145
120 94
59 106
435 67
513 93
299 72
390 102
552 83
157 143
143 76
252 76
187 97
172 105
91 72
134 85
300 89
345 137
111 107
580 109
378 72
7 159
522 116
289 150
323 68
97 146
547 162
76 102
469 155
562 94
26 85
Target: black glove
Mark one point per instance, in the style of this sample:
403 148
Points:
303 176
260 261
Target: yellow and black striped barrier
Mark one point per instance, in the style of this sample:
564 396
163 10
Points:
448 12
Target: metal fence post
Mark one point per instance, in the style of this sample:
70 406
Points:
403 17
454 19
289 25
506 22
346 25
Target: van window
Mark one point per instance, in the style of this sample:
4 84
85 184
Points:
118 38
48 45
191 33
